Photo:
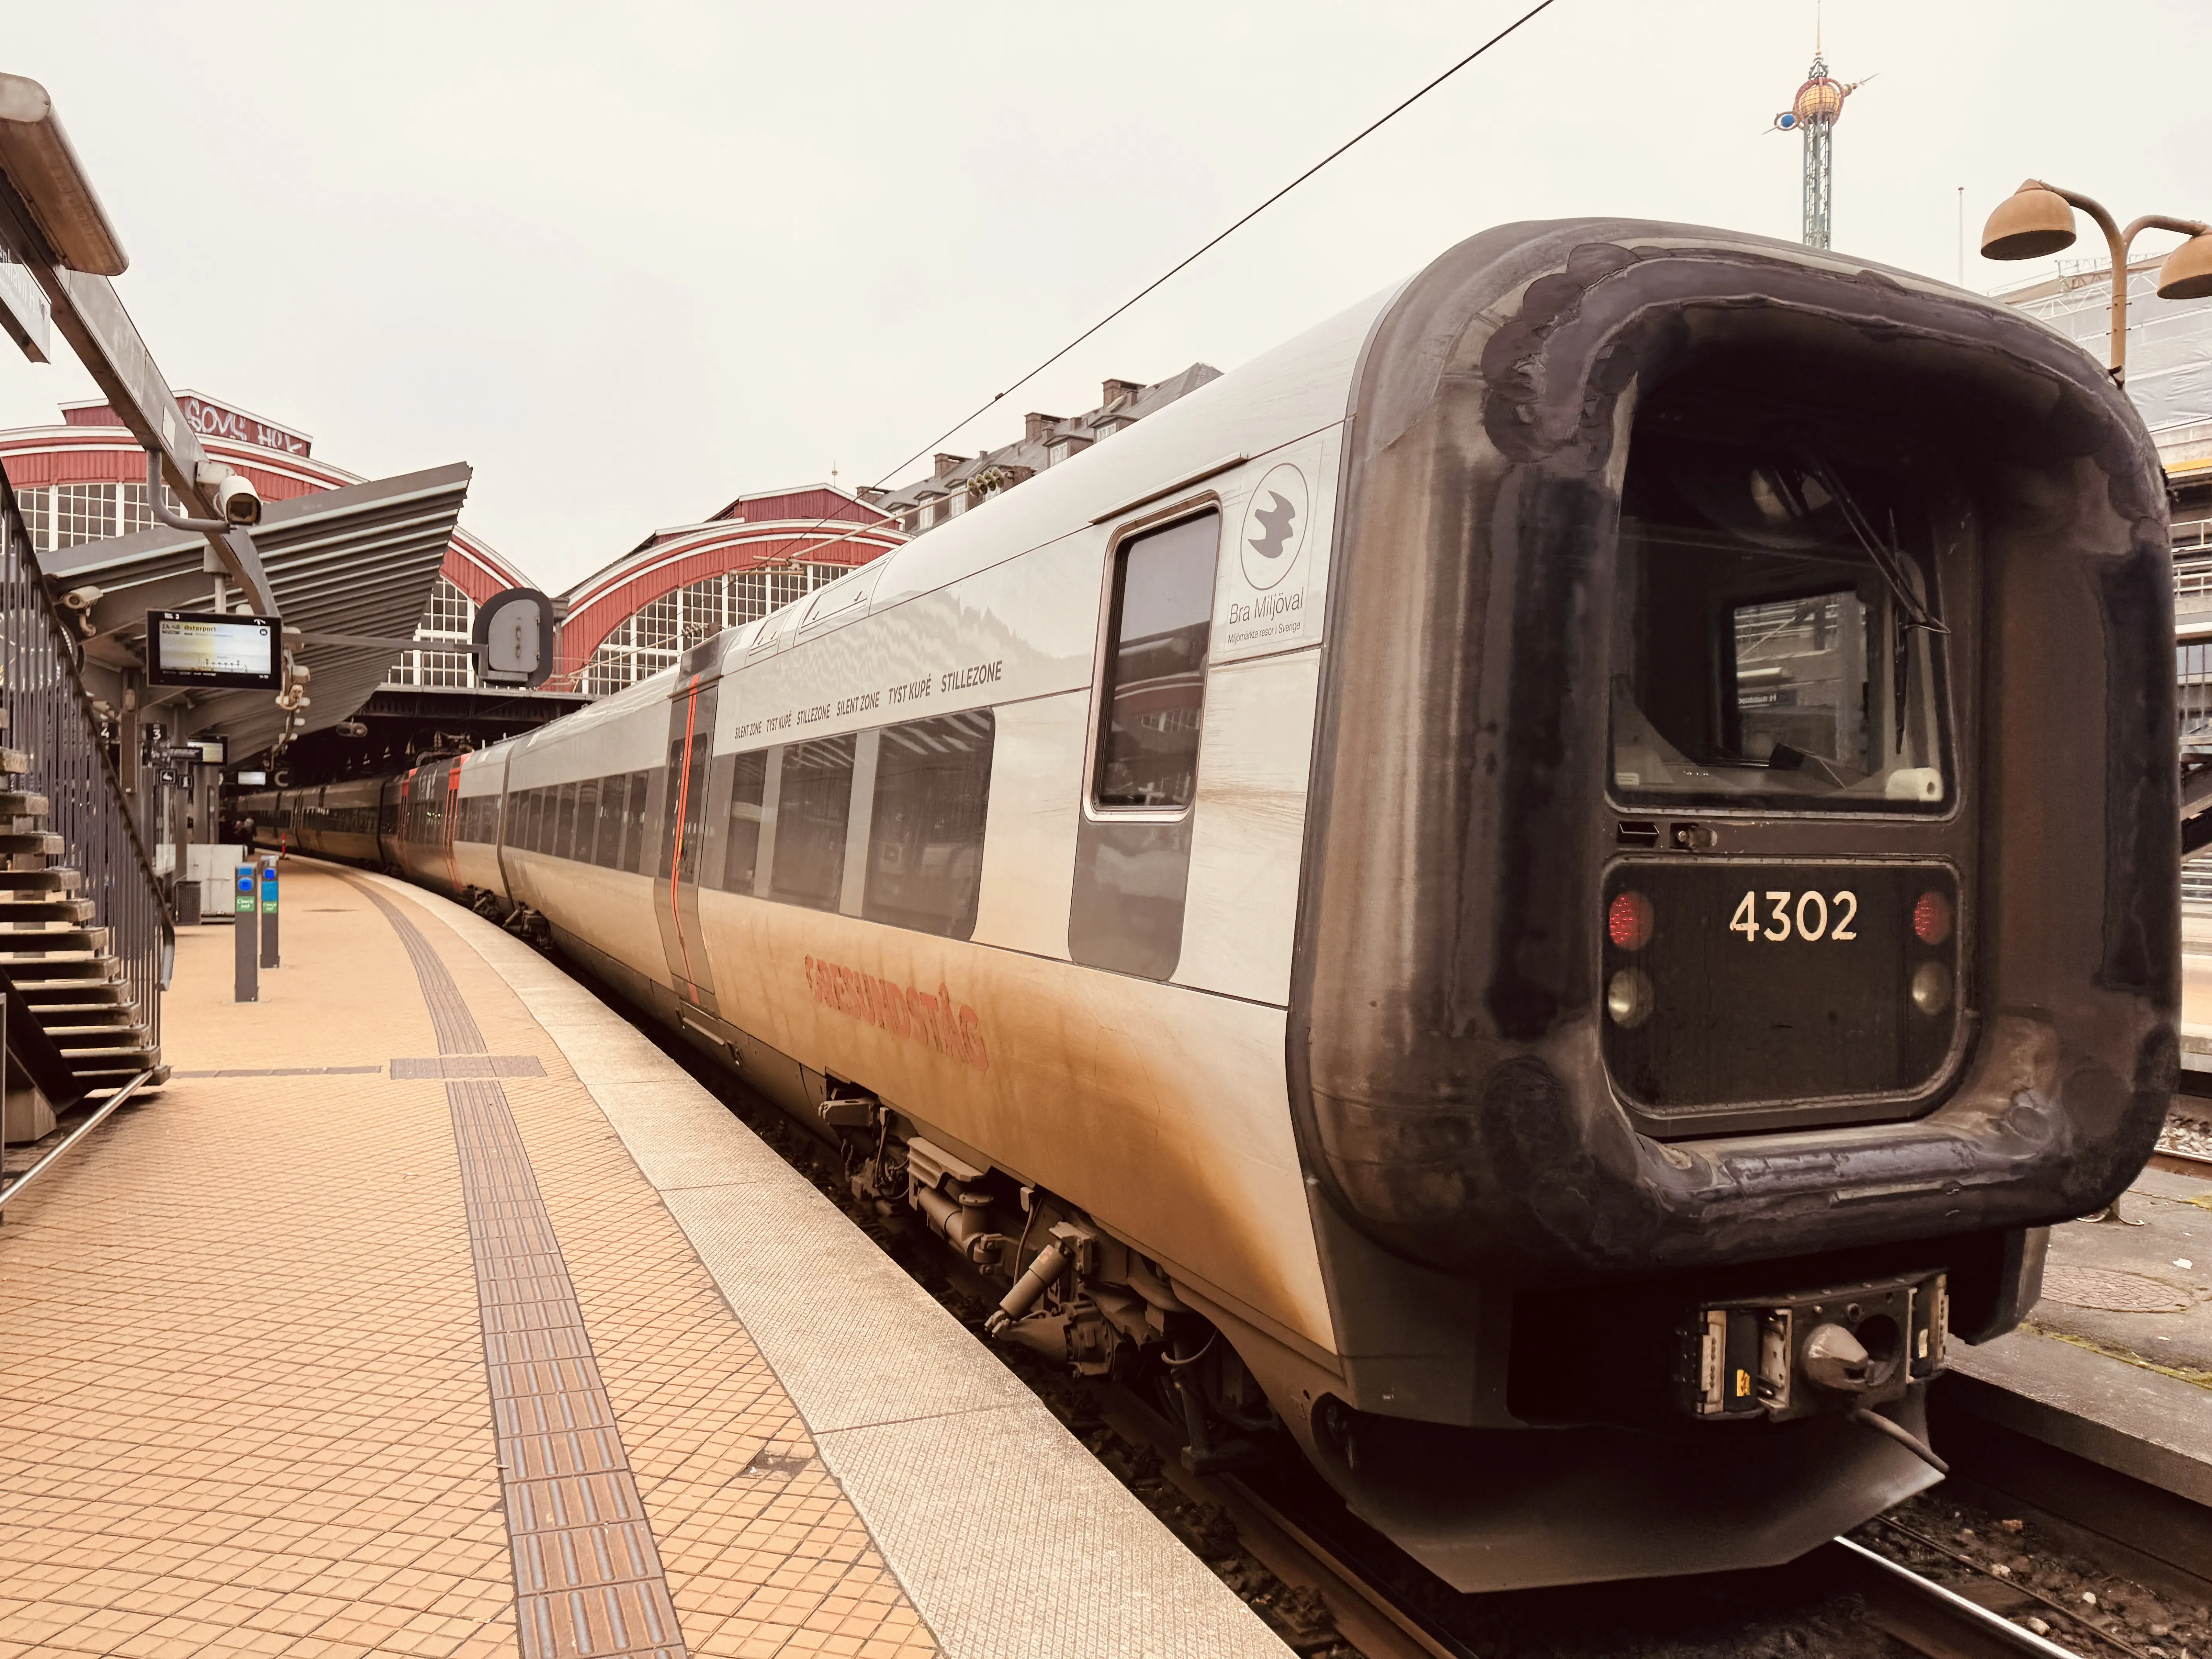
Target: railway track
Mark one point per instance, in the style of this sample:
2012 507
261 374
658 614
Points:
2186 1146
1383 1621
1335 1590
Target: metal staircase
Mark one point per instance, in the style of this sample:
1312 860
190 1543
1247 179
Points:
85 938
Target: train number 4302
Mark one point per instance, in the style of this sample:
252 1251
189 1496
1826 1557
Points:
1806 916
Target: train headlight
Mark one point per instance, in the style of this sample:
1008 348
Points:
1628 922
1931 920
1628 998
1931 987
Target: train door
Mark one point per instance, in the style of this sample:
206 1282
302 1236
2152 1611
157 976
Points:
684 848
1133 845
451 828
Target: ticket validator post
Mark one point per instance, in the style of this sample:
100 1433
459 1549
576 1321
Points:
269 957
248 984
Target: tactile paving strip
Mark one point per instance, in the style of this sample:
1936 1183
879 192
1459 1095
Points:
588 1577
454 1066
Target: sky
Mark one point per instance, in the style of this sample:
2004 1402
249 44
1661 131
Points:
631 261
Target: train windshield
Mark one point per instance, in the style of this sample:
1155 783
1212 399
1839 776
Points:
1776 638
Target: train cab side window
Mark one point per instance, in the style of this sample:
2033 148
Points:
810 815
1159 628
741 851
1778 635
926 828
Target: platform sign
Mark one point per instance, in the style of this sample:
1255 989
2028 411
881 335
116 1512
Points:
247 987
269 957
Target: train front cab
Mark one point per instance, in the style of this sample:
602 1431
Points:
1740 907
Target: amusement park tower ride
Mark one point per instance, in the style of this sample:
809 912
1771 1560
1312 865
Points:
1816 111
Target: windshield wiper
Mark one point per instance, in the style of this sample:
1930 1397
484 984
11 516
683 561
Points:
1889 558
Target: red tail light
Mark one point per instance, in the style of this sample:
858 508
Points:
1628 922
1931 919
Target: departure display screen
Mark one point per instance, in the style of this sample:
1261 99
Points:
186 648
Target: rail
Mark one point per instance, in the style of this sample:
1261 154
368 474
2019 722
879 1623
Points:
1940 1620
50 718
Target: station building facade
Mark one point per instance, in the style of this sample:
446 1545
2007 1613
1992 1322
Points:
84 480
632 618
957 483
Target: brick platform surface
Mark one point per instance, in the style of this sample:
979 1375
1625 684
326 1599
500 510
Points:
243 1366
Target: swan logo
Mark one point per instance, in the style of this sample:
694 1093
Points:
1275 530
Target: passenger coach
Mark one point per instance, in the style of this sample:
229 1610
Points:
1548 886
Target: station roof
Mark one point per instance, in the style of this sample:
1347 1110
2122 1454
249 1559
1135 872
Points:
351 569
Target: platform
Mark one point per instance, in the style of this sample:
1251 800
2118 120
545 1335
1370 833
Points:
432 1309
2115 1365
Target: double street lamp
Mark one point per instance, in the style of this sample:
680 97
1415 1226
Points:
2039 219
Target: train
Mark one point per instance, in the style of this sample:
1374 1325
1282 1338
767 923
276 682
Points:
1545 890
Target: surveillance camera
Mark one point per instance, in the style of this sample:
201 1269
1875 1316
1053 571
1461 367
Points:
237 501
81 598
352 729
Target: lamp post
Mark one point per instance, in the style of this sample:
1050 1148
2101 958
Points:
2039 219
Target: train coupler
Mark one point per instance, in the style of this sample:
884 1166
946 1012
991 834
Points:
1835 1349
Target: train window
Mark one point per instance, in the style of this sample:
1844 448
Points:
564 829
606 838
618 803
1159 628
633 842
587 821
815 802
741 852
926 832
689 762
1777 633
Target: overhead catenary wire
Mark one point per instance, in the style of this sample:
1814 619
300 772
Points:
1174 270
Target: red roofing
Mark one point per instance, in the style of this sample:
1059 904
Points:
816 503
602 605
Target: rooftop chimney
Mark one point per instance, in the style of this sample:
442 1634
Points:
1119 389
1035 428
943 465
